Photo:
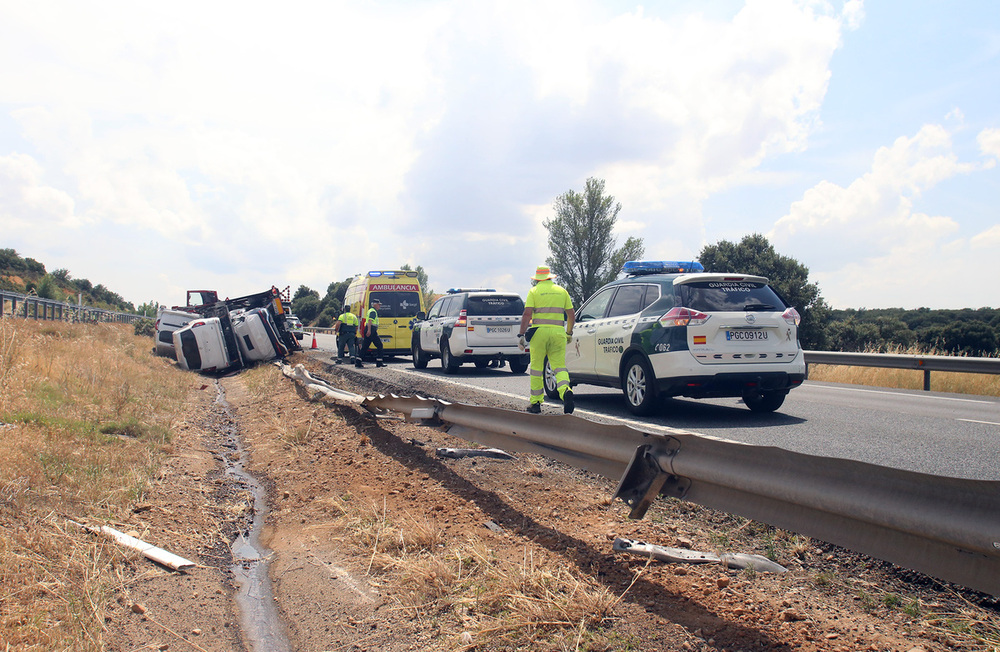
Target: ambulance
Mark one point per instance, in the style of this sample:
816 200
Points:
401 297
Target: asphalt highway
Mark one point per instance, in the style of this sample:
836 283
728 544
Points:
941 434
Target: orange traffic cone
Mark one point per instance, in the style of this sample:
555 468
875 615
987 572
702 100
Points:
314 341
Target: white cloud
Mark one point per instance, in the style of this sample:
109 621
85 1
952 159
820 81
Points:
868 245
317 139
27 205
989 144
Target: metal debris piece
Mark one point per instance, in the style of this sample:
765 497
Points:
159 555
456 453
685 556
490 525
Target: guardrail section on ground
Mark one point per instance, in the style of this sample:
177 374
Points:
944 527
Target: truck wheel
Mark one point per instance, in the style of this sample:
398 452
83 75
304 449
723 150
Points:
639 386
448 362
549 379
419 357
768 401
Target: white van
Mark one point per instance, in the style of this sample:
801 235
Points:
201 346
258 336
167 321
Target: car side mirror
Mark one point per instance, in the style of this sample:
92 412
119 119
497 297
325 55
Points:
421 315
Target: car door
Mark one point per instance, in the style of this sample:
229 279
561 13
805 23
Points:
580 353
614 332
428 337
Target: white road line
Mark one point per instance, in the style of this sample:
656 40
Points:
878 391
639 425
989 423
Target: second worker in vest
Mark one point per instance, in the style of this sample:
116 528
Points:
371 333
548 311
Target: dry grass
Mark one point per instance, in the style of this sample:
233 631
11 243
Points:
479 595
85 415
941 381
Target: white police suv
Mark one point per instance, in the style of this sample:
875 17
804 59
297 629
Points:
470 325
670 329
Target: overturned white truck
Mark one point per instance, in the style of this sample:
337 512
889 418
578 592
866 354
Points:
232 333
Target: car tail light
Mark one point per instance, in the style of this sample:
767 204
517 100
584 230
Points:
791 316
462 321
683 317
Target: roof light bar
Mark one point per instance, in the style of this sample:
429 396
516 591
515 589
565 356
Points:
457 290
639 267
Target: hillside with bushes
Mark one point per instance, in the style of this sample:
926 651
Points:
28 276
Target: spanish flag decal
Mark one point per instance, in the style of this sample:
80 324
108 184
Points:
699 339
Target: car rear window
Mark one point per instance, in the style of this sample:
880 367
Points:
729 296
494 306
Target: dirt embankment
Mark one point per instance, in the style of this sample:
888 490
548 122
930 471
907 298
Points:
379 544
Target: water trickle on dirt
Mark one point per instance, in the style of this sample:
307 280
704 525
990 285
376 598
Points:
261 622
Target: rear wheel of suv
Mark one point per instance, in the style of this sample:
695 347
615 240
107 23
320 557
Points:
482 364
549 379
448 361
517 366
759 401
639 386
419 357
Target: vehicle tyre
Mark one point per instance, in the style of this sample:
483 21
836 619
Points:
768 401
517 366
482 364
419 357
639 386
448 361
549 379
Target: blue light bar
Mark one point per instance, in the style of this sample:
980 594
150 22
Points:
638 267
374 273
457 290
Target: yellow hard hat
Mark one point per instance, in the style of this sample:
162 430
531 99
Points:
542 273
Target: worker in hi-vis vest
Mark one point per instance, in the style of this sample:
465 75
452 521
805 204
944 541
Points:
371 333
346 330
548 311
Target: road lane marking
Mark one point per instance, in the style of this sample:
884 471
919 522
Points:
989 423
640 425
903 393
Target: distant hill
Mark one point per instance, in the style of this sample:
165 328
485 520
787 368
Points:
28 276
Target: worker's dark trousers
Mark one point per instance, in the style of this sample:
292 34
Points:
368 341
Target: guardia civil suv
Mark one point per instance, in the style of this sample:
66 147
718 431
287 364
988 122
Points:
670 329
470 325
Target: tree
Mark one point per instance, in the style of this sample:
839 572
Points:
582 245
304 291
755 255
48 289
425 286
335 293
307 308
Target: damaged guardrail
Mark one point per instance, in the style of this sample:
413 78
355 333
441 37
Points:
944 527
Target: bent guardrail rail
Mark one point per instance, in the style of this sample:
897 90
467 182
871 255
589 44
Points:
944 527
925 363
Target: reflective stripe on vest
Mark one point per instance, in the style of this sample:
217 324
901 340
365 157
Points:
535 321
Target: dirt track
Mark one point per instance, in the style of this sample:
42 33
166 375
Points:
333 472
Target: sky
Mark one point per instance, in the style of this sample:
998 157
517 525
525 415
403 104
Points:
160 147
